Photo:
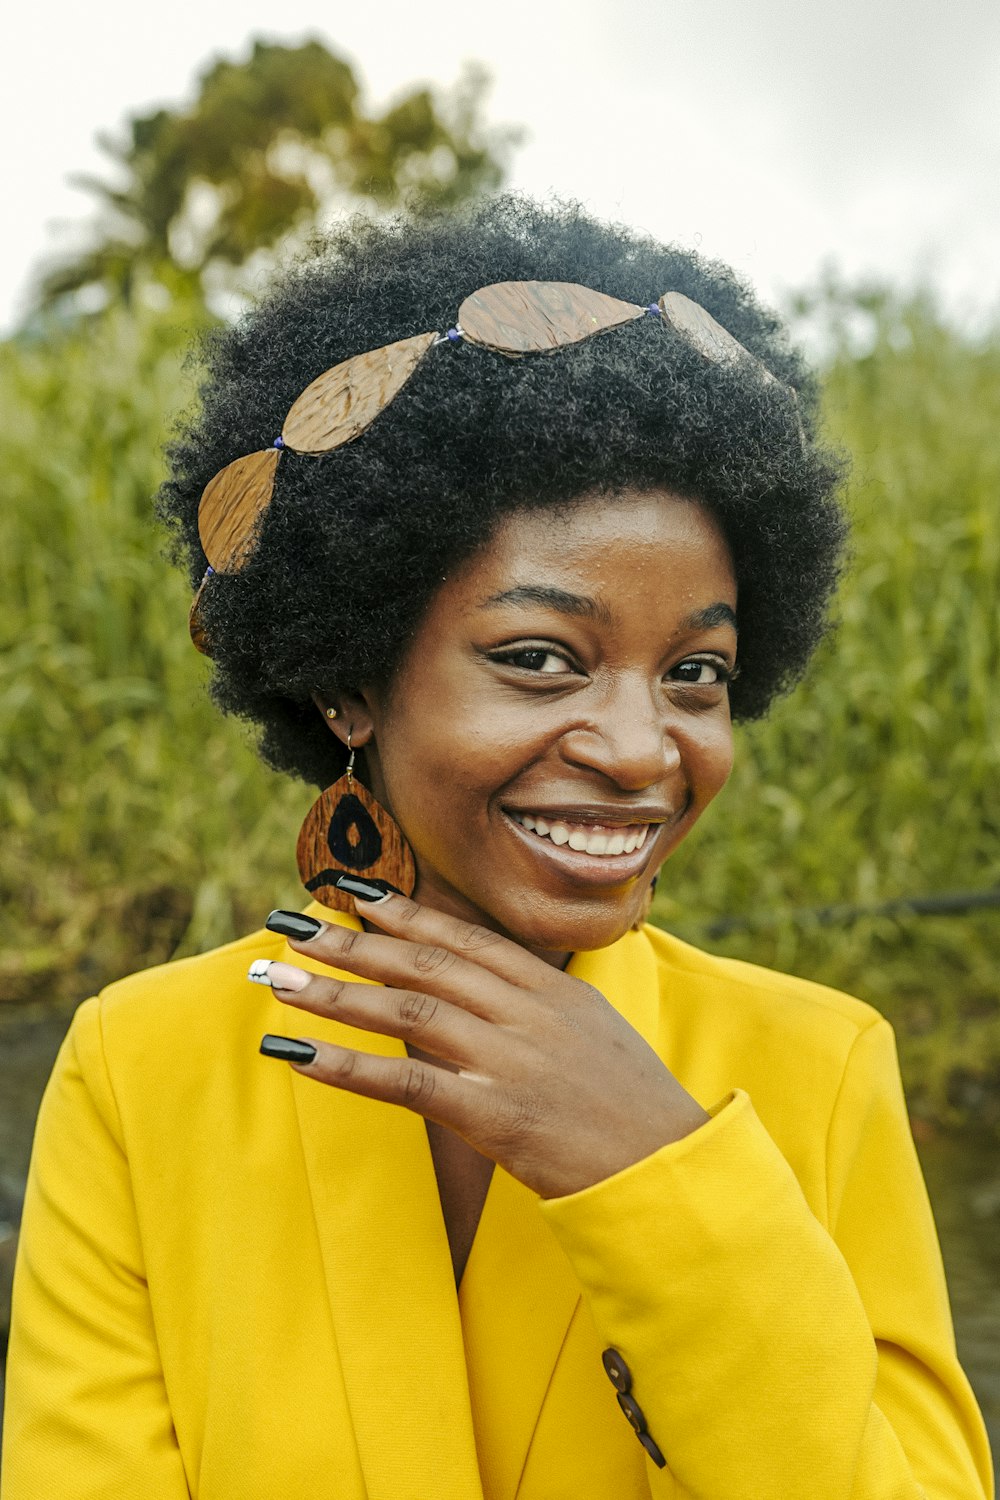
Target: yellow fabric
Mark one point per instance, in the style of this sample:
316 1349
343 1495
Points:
234 1283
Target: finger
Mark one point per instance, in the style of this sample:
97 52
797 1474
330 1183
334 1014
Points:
432 929
404 964
437 1094
428 1022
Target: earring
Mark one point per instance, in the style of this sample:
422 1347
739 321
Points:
346 832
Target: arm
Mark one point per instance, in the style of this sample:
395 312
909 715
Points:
87 1412
770 1356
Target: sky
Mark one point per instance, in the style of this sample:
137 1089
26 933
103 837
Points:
782 136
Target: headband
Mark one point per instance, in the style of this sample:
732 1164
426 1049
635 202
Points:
513 318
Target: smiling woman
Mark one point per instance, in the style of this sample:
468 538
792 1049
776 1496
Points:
548 1205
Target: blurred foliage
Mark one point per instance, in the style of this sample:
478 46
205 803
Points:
137 824
263 149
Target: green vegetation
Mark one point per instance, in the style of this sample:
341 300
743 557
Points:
138 824
265 146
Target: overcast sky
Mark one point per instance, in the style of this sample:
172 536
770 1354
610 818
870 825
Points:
778 135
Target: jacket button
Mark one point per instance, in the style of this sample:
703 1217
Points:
652 1450
633 1412
618 1371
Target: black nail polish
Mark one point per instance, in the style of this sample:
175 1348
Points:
287 1048
366 890
294 924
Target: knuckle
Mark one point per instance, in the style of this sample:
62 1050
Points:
347 939
428 960
418 1086
347 1064
417 1011
473 939
516 1116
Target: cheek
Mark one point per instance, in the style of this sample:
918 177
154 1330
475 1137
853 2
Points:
710 758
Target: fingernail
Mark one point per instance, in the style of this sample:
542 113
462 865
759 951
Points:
287 1048
366 890
294 924
279 976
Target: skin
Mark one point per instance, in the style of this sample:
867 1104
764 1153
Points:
603 704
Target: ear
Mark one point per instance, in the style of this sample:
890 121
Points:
351 716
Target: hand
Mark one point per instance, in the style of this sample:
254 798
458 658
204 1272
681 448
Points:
532 1067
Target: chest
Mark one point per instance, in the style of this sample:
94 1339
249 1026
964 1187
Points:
463 1179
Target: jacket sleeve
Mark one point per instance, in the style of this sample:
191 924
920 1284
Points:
86 1409
771 1355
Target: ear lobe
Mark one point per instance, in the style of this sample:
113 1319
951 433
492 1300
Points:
353 717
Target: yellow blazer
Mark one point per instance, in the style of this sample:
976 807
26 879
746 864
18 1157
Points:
234 1283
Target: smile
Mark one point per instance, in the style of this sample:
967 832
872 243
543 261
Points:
586 838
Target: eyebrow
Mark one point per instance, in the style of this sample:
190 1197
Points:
551 598
583 606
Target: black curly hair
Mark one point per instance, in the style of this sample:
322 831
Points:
355 544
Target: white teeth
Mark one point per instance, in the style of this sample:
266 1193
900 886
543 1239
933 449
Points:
607 844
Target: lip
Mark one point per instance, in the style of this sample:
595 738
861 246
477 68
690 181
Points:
600 816
586 869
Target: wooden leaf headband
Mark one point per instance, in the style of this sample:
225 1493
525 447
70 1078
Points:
513 318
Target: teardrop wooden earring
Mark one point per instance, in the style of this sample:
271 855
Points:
346 832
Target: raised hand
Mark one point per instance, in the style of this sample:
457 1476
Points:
531 1066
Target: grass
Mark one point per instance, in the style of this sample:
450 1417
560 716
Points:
138 824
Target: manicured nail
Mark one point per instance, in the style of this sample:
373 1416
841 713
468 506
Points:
278 976
294 924
287 1048
366 890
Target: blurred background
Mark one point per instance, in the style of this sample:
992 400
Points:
845 160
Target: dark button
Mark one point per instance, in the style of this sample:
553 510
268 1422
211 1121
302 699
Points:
618 1371
633 1411
652 1450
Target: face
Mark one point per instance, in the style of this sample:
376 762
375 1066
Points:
561 718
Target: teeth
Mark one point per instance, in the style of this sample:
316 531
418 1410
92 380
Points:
620 842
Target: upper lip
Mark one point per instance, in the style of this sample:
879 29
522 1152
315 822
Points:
599 814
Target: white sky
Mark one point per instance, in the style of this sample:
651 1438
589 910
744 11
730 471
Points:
778 135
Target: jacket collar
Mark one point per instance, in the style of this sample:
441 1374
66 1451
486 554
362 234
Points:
429 1372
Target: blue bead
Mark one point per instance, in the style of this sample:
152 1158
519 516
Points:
210 571
278 443
454 335
653 309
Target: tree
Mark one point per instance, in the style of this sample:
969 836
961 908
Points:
267 145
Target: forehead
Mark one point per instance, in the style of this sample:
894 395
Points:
650 541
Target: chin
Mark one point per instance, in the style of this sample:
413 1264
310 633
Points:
570 925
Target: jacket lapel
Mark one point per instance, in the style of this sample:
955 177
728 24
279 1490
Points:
519 1293
389 1280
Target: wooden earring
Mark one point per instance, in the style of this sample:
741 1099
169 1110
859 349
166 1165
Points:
346 832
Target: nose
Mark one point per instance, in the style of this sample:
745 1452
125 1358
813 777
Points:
628 738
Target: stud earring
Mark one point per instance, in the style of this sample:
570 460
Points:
346 832
331 713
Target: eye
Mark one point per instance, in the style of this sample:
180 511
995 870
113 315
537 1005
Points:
701 671
538 659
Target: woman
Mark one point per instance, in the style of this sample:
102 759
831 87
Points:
548 1204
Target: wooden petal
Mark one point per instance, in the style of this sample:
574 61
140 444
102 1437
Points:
231 508
699 328
199 638
535 317
342 402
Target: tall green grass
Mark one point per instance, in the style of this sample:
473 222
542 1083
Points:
136 823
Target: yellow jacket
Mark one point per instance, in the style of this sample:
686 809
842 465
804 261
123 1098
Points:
234 1283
